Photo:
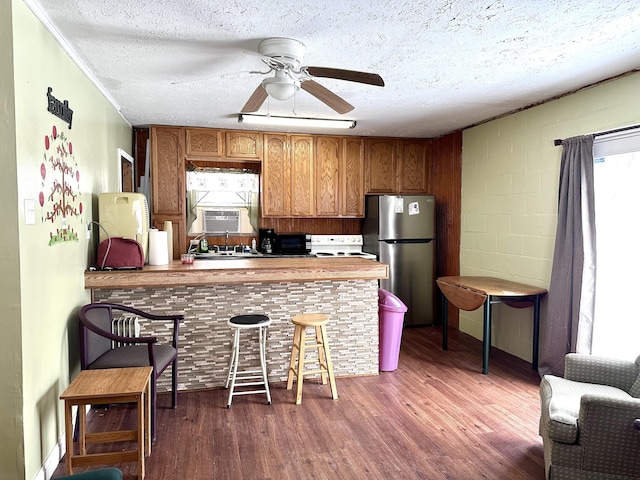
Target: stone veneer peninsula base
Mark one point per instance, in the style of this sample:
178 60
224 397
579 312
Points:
205 340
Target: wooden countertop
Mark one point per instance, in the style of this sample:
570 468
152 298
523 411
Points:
251 270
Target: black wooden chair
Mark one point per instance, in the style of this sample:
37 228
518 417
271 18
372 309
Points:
100 348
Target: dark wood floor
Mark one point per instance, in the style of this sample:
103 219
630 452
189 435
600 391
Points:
436 417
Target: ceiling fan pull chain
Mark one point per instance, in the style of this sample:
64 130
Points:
295 95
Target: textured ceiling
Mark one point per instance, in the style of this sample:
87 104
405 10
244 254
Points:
447 64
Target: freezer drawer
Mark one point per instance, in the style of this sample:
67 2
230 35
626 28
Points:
411 278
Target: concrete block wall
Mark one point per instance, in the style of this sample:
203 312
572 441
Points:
510 177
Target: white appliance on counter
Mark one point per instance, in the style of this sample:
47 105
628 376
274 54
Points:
338 246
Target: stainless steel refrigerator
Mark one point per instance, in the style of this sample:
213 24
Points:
401 231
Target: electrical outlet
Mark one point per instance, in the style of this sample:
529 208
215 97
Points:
29 211
88 232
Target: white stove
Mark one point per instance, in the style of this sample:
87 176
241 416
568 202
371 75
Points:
338 246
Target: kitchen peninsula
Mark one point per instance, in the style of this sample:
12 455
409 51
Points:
209 292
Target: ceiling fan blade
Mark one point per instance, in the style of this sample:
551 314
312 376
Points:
326 96
256 100
349 75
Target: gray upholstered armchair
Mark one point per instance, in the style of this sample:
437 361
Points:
590 420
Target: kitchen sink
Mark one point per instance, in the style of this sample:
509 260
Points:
226 255
240 255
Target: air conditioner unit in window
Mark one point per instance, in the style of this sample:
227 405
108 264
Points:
221 221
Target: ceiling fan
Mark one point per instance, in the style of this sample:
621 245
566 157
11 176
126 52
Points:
283 56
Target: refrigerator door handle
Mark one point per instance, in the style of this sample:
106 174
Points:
415 240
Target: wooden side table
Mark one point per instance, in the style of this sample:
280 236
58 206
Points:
106 386
469 293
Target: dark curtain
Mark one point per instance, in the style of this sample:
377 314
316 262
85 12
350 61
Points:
575 233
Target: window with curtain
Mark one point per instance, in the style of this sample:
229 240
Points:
226 189
616 329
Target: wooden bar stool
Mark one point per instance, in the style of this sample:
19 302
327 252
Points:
248 377
300 343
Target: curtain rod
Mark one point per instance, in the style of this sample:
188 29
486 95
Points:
558 141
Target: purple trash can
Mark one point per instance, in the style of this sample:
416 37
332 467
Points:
391 312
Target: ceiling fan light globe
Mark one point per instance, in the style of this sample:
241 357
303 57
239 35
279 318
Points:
280 88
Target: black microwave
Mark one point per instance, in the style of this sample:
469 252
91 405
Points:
292 243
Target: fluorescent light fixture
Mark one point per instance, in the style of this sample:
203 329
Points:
294 121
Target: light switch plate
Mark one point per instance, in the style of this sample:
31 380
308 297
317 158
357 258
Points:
29 211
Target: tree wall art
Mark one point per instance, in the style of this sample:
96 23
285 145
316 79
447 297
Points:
60 187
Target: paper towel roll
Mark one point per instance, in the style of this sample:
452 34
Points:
168 227
158 247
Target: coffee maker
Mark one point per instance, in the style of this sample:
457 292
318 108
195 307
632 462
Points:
263 235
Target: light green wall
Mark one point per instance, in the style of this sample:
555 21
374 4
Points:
11 441
510 175
46 282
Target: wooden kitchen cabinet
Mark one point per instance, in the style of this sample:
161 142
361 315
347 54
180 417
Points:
237 144
167 170
276 176
168 182
339 176
302 184
204 142
352 181
412 166
329 161
396 166
244 145
380 171
287 176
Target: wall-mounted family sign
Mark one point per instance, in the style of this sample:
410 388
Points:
58 108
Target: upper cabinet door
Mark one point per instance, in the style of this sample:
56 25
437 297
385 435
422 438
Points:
167 170
246 145
352 188
302 173
204 142
412 166
329 162
276 175
380 170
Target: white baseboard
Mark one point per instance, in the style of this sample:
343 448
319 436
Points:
52 461
57 453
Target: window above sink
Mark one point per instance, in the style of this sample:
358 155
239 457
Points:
234 191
